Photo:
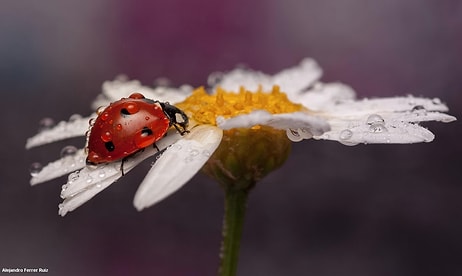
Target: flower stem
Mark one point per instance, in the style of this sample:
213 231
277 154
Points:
235 206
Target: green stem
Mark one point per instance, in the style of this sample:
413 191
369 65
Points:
235 206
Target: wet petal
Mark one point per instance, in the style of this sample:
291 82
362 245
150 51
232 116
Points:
399 127
60 167
384 105
177 165
63 130
323 95
121 88
314 125
85 184
291 80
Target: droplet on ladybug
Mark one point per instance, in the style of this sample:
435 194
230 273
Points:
144 138
136 96
106 136
100 110
130 108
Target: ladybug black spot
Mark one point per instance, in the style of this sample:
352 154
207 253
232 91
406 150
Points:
124 112
146 132
109 146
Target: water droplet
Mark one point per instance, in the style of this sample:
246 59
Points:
129 108
104 116
178 147
305 133
46 123
206 153
106 136
35 169
89 179
294 135
68 151
194 152
346 134
100 110
419 110
118 127
91 122
418 107
72 177
75 117
375 119
98 186
102 174
377 128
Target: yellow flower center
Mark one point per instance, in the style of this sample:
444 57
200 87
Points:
204 108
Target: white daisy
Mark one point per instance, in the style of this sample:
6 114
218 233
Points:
243 115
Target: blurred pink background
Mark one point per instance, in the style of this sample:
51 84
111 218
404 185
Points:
330 210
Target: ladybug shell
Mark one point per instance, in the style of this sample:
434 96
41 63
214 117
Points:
125 127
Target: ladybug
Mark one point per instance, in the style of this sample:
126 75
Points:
130 125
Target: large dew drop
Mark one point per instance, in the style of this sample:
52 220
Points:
35 169
68 151
294 135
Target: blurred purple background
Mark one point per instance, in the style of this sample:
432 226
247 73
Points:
330 210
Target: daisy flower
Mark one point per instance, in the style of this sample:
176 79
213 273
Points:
241 128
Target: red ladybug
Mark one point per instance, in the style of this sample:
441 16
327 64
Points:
130 125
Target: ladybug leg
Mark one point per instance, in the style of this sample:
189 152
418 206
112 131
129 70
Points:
122 165
155 146
182 131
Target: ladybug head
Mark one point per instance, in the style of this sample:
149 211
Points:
176 116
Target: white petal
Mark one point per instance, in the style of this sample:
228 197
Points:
394 133
400 128
121 88
290 80
385 105
177 165
88 182
314 125
323 95
60 167
63 130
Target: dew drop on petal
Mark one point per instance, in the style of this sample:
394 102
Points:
206 153
46 123
346 134
35 168
294 135
91 122
377 128
194 152
89 179
102 174
375 119
305 133
72 177
68 151
118 127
